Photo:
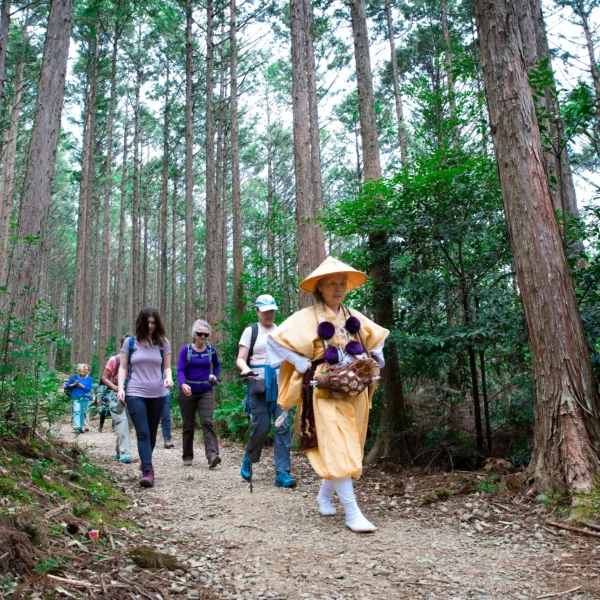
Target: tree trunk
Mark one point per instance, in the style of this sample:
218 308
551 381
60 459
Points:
190 288
4 29
393 421
536 49
486 404
105 267
236 199
164 191
80 343
396 83
567 415
224 225
583 15
24 273
8 179
213 251
214 272
174 320
136 279
315 136
308 254
121 312
270 194
144 220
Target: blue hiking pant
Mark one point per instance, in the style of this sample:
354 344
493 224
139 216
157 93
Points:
261 425
145 414
165 419
80 406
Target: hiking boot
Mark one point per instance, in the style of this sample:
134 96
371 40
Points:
169 444
117 455
126 459
285 480
214 461
187 462
246 470
147 480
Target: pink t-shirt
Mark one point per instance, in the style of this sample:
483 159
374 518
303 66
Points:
147 380
111 365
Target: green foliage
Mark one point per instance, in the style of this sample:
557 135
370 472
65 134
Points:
490 485
29 389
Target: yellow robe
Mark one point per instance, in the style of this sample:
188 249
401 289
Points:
341 423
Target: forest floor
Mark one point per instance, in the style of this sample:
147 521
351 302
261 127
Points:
274 544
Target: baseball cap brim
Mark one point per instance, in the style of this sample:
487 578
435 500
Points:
267 307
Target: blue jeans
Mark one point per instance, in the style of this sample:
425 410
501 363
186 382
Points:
145 414
79 411
261 425
165 419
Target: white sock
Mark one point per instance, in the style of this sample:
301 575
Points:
324 498
355 520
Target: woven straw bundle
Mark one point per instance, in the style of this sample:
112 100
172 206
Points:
351 379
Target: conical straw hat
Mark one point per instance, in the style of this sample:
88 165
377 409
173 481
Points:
333 266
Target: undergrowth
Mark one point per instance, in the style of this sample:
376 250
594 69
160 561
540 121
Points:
51 497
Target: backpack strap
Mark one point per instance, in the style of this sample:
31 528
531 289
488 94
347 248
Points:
131 342
189 354
210 355
253 338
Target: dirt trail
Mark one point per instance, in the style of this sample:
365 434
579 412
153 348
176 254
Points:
274 544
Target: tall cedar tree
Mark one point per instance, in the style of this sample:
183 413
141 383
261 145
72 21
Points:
567 412
26 264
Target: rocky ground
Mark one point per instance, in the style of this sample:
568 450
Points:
480 543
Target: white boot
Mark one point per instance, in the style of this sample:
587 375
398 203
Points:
355 520
324 498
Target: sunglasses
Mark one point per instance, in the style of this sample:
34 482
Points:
202 334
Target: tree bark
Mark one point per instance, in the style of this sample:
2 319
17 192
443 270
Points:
308 253
214 272
26 258
122 311
536 49
105 266
270 197
315 136
8 179
81 347
236 198
190 288
580 11
164 198
4 29
396 83
567 414
174 329
136 279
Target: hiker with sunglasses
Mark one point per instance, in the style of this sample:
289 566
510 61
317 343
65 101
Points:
197 371
261 400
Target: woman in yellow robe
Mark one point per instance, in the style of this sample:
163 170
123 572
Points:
340 420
